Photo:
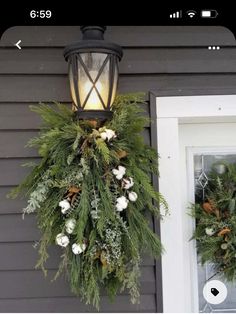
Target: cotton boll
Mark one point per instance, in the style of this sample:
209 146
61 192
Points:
78 248
119 176
224 246
103 135
122 202
119 207
65 206
133 196
62 240
128 183
119 173
209 231
70 225
110 134
107 134
121 169
115 171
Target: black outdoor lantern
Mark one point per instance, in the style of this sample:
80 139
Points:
93 73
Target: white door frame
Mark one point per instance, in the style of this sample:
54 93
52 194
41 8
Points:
179 275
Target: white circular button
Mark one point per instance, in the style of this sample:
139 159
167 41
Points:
215 292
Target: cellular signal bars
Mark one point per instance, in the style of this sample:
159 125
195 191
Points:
176 15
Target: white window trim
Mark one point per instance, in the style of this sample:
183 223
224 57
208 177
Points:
179 273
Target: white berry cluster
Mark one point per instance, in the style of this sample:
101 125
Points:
126 183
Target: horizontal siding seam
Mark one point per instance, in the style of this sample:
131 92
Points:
67 295
124 75
54 269
141 47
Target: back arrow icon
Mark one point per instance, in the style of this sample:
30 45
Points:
18 44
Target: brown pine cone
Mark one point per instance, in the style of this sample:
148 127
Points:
207 207
103 259
74 189
224 231
121 154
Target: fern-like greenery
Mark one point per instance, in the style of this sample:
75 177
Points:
77 166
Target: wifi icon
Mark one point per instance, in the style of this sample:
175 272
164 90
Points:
191 13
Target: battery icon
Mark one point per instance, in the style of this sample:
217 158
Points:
209 13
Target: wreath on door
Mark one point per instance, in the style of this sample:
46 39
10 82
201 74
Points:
93 196
215 232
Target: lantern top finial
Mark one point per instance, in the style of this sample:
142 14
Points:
93 41
93 32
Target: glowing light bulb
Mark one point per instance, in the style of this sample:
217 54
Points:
93 101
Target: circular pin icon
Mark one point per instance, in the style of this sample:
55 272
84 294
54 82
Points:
215 292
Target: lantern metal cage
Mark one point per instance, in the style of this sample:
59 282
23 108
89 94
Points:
93 73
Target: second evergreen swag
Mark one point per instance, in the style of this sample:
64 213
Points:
215 232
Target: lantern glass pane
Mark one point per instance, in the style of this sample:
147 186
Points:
88 83
72 85
115 82
84 84
102 86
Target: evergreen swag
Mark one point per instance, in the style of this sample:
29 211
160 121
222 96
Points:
92 192
216 222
